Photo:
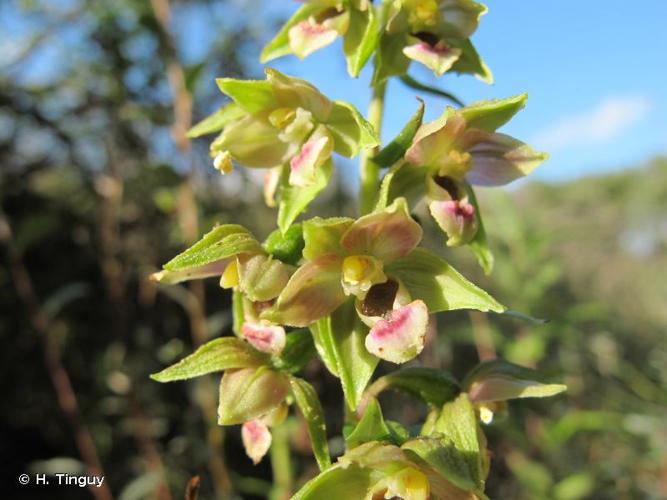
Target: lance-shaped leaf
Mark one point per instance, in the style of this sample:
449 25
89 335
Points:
256 439
339 339
387 235
360 39
217 355
479 244
309 404
371 427
286 247
209 256
432 386
459 426
500 380
322 236
430 278
251 95
295 199
395 150
279 46
490 115
338 481
312 292
351 132
298 351
430 89
250 393
217 120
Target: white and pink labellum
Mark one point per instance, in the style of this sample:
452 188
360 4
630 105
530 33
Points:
438 57
256 439
313 154
308 36
456 218
399 336
264 336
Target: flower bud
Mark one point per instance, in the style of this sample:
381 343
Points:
264 336
256 439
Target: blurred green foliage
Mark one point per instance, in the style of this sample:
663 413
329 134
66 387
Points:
97 197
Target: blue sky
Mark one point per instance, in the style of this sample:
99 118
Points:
594 70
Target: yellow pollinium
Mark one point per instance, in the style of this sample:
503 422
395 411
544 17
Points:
457 165
410 483
230 277
355 268
281 117
426 11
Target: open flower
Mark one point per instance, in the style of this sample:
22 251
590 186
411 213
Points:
348 258
319 23
434 33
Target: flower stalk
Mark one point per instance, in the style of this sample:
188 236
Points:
369 170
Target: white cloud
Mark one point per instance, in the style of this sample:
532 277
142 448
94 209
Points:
602 123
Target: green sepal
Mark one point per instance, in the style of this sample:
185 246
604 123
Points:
403 180
340 342
500 380
339 481
287 246
217 355
395 150
470 61
492 114
361 39
479 245
295 199
250 393
222 242
350 130
322 236
298 351
253 96
311 408
217 120
371 427
434 387
432 279
279 46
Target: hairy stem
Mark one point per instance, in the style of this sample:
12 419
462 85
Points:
369 170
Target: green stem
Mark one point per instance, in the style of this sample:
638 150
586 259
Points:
369 170
281 463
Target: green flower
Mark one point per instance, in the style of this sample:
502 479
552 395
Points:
319 23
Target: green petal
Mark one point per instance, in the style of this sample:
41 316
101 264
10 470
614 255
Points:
470 62
387 235
351 132
312 292
253 96
217 121
492 114
214 356
431 279
292 92
350 482
322 236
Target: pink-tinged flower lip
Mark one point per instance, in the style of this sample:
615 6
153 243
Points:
264 337
399 337
458 208
256 439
